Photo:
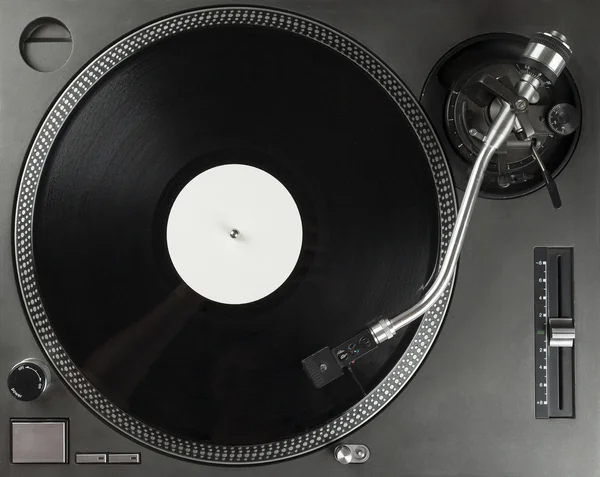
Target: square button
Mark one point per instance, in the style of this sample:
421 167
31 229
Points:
39 441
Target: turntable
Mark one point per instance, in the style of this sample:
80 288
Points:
231 238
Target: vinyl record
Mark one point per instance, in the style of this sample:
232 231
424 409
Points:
363 168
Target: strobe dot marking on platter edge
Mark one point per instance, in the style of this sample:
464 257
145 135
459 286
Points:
200 233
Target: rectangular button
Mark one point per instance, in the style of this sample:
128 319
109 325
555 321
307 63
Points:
39 441
124 458
90 458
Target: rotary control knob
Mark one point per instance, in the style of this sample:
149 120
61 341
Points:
563 119
28 380
343 454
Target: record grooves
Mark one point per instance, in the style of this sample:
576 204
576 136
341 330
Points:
373 193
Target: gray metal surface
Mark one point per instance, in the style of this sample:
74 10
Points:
469 410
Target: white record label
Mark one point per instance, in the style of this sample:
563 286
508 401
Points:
234 234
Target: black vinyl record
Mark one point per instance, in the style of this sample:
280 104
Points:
236 94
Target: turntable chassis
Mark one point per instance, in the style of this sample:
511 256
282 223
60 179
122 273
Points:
469 410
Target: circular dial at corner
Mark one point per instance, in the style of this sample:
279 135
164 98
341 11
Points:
230 191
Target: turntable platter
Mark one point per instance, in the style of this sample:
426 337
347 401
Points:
129 331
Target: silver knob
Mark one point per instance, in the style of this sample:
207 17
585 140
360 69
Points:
343 454
547 54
